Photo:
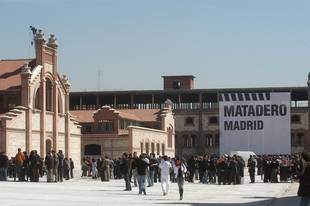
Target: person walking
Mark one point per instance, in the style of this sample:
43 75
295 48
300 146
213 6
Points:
251 167
165 166
60 157
133 166
66 168
124 169
55 166
71 168
142 166
179 171
94 171
49 165
304 181
153 164
84 167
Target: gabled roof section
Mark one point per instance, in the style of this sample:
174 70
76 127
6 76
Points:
83 116
10 72
148 115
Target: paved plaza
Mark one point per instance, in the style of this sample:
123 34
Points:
78 192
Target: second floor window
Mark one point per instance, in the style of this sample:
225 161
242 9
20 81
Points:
213 120
105 126
189 121
295 119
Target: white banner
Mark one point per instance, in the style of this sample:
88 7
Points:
258 122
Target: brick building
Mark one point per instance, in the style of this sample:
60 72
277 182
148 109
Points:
34 104
111 132
196 110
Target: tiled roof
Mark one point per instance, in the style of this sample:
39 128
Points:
147 115
10 72
85 116
142 115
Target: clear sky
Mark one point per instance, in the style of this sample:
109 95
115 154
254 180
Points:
130 44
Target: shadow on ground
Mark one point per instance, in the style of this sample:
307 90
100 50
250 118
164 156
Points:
284 201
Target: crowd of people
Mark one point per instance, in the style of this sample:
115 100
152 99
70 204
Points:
144 170
24 167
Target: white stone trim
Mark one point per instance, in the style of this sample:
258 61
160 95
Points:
147 129
36 71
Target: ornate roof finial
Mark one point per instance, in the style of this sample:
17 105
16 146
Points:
66 82
168 104
39 35
26 70
52 41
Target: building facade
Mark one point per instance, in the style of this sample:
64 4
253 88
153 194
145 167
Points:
196 111
34 104
110 132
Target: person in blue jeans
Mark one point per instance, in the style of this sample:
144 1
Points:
304 181
4 163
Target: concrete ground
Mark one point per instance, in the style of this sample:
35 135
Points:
78 192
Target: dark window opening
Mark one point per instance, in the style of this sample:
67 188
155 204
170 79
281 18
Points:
86 129
189 121
300 139
209 140
92 149
213 120
176 85
295 119
105 126
49 95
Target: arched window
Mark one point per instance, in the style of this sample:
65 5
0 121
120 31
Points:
189 121
295 119
192 142
163 149
37 100
153 148
60 105
170 136
213 120
158 149
147 148
92 149
49 95
185 140
209 140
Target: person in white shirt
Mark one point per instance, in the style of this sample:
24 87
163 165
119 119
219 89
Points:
165 166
